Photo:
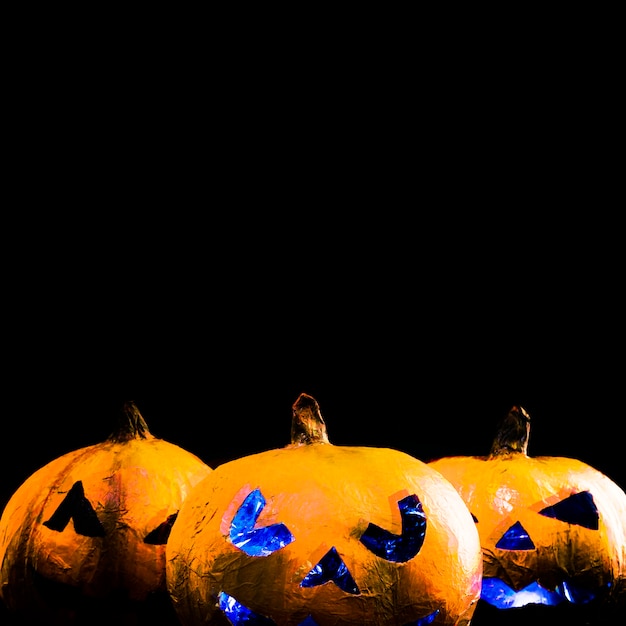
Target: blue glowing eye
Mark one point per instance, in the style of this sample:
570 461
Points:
403 547
578 508
515 538
257 541
331 568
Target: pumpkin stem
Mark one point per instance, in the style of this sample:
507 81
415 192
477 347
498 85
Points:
307 425
131 425
513 433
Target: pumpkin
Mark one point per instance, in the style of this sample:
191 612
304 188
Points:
552 529
82 540
319 534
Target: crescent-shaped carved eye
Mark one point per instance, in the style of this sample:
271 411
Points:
254 541
403 547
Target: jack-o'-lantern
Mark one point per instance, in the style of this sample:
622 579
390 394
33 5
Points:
82 540
319 534
552 529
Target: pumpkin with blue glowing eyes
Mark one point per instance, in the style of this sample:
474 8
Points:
316 534
552 529
82 540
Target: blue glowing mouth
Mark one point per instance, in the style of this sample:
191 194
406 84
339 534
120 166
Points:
239 614
497 593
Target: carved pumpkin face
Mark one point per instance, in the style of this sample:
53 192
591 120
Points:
318 534
552 529
89 528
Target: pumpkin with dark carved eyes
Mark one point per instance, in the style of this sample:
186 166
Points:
316 534
82 540
552 529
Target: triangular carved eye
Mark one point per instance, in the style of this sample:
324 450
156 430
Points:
76 507
161 533
579 509
515 538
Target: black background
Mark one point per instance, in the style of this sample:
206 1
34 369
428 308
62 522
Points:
411 333
418 245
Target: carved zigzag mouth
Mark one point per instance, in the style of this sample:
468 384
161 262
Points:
497 593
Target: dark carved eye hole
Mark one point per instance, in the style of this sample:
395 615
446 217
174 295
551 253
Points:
515 538
257 541
76 507
161 533
578 508
402 547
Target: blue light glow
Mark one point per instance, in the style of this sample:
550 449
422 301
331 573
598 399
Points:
257 541
515 538
238 614
497 593
579 509
403 547
331 568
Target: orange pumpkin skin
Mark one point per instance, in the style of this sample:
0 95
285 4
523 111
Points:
84 536
326 496
586 549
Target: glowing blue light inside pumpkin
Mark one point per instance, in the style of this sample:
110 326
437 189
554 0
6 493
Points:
257 541
238 615
331 568
575 595
429 619
499 594
578 508
402 547
515 538
266 540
